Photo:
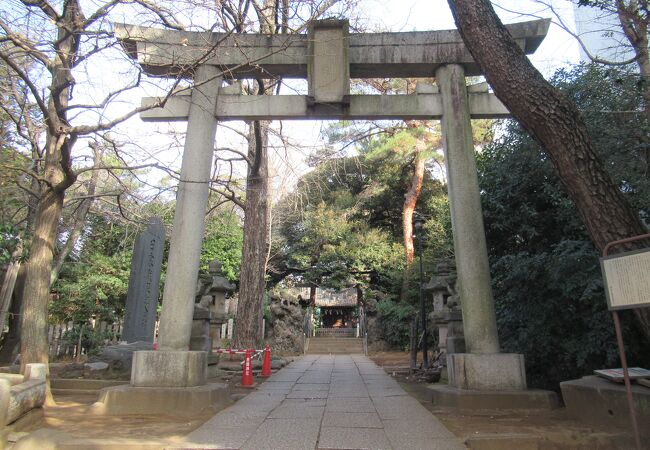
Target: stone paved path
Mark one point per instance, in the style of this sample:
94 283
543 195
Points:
326 402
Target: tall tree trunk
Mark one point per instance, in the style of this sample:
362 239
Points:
410 201
34 345
248 331
312 296
57 177
79 222
553 120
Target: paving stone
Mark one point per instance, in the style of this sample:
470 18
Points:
328 402
398 408
306 401
353 439
423 425
297 411
284 434
285 376
422 442
311 387
307 394
220 438
352 420
283 386
314 380
350 405
229 419
349 394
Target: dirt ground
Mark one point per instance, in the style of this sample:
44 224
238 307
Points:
507 429
70 416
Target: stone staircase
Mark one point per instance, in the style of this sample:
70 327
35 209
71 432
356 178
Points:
335 346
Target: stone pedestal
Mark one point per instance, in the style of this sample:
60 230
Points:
169 369
170 401
450 397
489 372
200 339
165 382
603 404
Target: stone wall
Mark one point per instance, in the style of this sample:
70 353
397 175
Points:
285 330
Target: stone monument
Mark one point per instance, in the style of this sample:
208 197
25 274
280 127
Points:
142 296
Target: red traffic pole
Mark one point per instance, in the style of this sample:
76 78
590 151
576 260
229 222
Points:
266 363
247 373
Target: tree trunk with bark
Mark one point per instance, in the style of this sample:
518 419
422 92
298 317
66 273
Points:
248 331
34 345
57 177
410 201
551 119
79 221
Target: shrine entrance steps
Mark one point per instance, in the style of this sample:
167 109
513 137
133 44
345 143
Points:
335 346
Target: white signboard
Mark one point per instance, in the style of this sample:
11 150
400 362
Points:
627 279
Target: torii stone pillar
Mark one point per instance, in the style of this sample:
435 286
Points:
483 367
173 364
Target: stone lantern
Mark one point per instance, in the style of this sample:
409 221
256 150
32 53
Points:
211 309
447 315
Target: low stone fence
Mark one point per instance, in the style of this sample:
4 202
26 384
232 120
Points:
64 341
21 393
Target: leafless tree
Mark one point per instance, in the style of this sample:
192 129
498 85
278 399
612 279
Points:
53 52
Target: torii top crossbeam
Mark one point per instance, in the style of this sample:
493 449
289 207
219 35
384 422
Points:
328 56
371 55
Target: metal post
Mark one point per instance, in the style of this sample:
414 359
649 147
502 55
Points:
621 345
626 377
425 351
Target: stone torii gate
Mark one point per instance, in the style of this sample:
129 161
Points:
328 56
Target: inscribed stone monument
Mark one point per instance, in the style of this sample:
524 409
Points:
142 296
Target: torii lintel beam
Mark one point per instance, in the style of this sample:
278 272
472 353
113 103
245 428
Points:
291 107
371 55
